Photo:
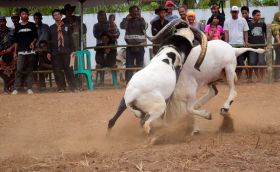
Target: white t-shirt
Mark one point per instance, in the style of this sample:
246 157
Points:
236 29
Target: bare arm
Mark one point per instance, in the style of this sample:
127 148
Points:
246 38
226 35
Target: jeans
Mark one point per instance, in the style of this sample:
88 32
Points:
131 57
240 62
25 64
61 70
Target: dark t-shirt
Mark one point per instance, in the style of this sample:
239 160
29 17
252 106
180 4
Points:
157 26
24 35
257 32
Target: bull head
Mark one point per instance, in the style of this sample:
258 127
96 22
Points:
176 25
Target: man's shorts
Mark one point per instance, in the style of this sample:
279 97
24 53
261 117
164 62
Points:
256 59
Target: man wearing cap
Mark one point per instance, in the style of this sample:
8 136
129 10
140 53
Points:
7 62
159 24
169 5
15 19
215 11
236 32
75 23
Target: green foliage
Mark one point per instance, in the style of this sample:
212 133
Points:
32 10
203 4
189 3
270 2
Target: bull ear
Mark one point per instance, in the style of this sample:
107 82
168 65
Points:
202 39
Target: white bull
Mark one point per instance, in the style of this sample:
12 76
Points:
220 56
149 88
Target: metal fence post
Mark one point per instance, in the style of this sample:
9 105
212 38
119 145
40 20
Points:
269 55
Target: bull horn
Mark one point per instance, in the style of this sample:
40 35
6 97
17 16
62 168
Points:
166 31
202 39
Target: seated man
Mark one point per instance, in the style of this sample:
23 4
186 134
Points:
7 61
105 57
7 71
44 61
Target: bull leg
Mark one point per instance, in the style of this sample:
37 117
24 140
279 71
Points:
155 113
120 110
212 92
230 74
191 103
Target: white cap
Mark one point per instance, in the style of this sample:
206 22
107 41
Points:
234 8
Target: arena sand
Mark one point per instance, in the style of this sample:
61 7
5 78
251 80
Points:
67 132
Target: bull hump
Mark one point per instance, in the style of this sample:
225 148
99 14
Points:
172 56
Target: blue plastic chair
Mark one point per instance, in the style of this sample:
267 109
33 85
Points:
81 66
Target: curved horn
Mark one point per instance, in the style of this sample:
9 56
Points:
202 39
167 31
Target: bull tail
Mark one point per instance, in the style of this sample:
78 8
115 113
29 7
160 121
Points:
121 109
239 51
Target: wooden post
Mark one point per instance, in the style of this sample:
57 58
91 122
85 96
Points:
269 55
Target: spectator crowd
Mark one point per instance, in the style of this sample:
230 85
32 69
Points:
34 46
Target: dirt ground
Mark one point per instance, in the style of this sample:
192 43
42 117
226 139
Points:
67 132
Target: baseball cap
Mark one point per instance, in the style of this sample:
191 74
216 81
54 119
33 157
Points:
234 8
15 15
169 3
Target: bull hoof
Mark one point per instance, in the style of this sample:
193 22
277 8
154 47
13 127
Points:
111 124
224 112
195 132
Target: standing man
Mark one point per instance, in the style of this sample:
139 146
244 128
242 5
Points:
215 10
183 12
43 30
135 27
75 23
25 40
169 5
61 46
275 29
159 24
100 27
236 32
257 35
245 14
15 19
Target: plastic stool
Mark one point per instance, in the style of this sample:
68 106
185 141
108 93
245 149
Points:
81 66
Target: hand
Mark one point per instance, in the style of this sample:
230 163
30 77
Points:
8 50
73 54
128 16
107 50
32 45
49 56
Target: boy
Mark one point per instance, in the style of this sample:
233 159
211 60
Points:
257 35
